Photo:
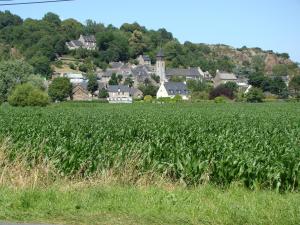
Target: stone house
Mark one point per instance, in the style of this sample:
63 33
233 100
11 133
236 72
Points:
136 93
85 42
80 93
223 78
171 89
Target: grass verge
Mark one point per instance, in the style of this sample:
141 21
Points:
96 204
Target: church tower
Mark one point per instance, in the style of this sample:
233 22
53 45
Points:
161 66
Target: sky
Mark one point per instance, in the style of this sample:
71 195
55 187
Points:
268 24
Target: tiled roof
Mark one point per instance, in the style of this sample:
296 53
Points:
140 71
174 88
160 54
192 72
89 38
227 76
118 88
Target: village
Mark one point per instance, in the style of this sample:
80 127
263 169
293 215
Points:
170 82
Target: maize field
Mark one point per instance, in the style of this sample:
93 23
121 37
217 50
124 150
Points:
255 144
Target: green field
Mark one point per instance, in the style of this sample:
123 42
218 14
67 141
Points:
257 145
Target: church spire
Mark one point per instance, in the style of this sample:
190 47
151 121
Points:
161 66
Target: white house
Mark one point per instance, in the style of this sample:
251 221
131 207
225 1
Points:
171 89
119 94
76 78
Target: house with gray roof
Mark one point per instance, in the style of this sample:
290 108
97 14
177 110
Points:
86 42
119 94
187 74
171 89
224 77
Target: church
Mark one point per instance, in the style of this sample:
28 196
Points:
169 89
166 74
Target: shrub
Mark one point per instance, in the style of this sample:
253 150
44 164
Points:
148 98
103 94
220 99
164 100
59 64
177 98
199 95
72 66
255 95
232 86
83 68
28 95
221 90
240 97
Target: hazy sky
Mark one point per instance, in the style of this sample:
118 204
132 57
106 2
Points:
269 24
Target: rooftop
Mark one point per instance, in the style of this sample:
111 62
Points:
192 72
227 76
174 88
118 88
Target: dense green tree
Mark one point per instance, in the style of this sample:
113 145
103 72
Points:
52 19
225 64
137 44
11 74
127 27
41 65
93 27
279 87
92 83
71 28
113 46
60 89
197 85
8 19
149 90
37 81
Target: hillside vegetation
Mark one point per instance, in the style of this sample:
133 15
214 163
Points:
40 41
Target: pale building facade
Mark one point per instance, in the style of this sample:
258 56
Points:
171 89
161 66
119 94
